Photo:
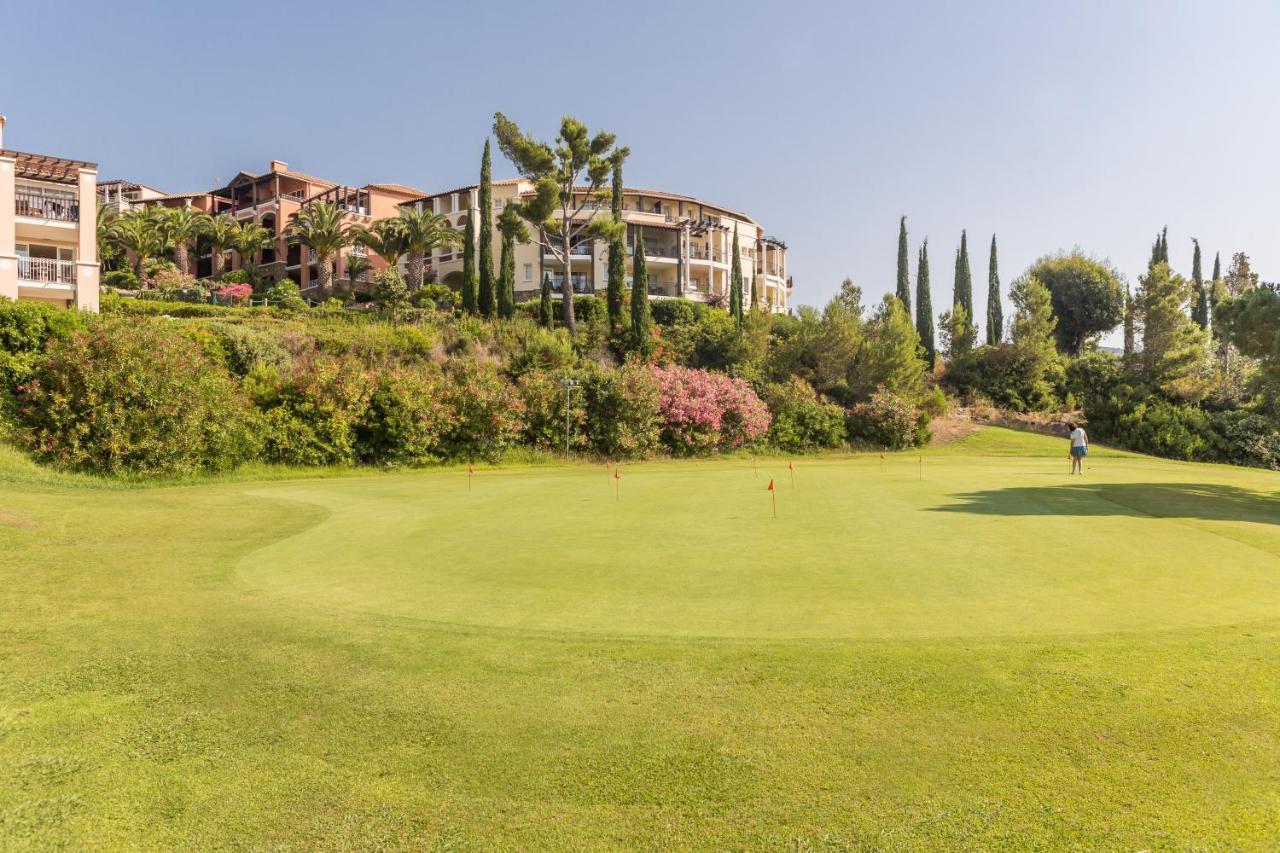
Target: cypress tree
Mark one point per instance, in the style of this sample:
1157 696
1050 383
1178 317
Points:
641 318
1213 287
507 278
904 275
735 280
995 312
924 306
617 255
487 300
1160 250
1200 311
546 307
469 303
963 291
1129 336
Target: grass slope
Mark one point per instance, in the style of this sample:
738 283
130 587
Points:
992 656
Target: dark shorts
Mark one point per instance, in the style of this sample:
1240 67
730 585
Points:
1080 451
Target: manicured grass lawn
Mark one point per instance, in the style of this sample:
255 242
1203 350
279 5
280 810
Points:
996 655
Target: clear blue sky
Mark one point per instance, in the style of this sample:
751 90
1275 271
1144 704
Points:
1081 123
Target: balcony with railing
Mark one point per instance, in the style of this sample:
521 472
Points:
580 282
48 205
46 271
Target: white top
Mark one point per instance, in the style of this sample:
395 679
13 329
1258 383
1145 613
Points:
1078 438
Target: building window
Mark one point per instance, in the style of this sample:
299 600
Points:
528 272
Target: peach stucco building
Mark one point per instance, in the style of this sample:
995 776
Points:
271 198
688 246
48 228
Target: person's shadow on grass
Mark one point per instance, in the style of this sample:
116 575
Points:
1157 500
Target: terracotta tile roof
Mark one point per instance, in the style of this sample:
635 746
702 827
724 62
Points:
505 182
173 196
397 188
301 176
127 185
41 167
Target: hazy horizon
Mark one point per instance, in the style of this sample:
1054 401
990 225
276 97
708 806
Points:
1090 126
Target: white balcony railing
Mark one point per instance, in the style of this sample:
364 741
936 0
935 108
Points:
46 271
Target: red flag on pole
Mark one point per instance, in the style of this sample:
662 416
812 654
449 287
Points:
773 495
617 485
771 485
791 466
470 471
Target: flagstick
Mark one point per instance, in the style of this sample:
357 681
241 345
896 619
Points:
469 473
774 494
792 465
881 463
617 486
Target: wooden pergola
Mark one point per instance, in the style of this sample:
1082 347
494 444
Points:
41 167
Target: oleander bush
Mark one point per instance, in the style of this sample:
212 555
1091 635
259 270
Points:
704 412
887 420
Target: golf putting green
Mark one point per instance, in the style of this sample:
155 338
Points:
990 537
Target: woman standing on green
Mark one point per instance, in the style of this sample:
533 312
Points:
1079 447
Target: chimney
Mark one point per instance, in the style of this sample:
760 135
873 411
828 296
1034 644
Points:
279 166
2 121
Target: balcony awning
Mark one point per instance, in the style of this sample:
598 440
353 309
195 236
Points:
41 167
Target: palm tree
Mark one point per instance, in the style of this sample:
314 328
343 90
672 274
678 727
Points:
322 228
221 231
179 227
357 265
250 239
423 232
386 237
136 232
108 251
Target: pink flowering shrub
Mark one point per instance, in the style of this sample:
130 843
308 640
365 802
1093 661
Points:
236 293
887 420
168 279
702 412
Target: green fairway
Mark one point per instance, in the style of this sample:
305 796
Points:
961 648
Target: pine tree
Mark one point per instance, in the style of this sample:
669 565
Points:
995 312
641 318
546 305
487 296
735 280
904 274
617 255
924 307
470 304
1200 310
1173 347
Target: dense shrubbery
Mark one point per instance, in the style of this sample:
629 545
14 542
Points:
887 420
126 397
801 421
338 387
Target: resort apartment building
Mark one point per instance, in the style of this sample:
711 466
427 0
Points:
688 246
48 228
271 198
121 195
